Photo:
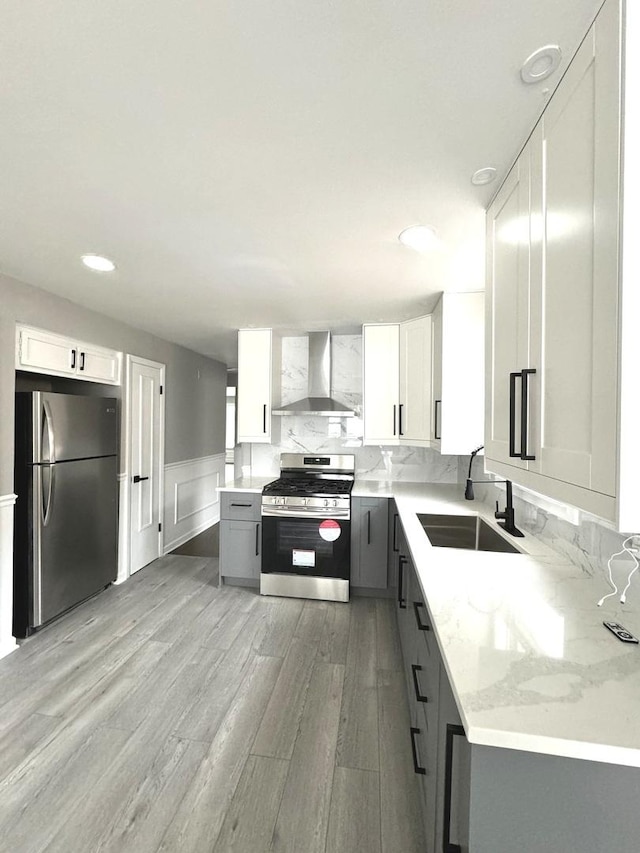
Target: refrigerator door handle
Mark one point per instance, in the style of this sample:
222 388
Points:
48 454
35 604
47 478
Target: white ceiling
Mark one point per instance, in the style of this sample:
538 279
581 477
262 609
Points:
252 163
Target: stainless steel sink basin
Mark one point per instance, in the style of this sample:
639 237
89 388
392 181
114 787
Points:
464 531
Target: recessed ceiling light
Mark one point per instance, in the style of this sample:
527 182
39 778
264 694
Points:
483 176
421 238
541 63
98 263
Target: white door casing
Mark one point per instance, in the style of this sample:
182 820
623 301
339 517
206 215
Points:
145 429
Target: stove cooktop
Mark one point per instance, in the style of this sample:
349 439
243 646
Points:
308 486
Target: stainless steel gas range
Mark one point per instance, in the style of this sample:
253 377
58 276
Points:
306 527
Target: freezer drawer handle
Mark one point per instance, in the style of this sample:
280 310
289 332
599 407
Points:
138 479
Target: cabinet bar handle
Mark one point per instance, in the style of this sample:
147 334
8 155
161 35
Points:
415 669
422 626
73 359
264 419
513 453
447 845
524 417
81 361
436 425
245 505
414 752
395 532
368 527
402 604
394 419
400 419
257 539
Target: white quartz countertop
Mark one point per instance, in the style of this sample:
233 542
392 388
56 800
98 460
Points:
247 484
531 665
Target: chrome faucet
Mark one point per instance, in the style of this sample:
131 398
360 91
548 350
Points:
507 518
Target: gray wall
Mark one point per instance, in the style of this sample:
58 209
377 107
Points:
195 385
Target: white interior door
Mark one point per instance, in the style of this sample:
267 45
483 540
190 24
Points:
146 425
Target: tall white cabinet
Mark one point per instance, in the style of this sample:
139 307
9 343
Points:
553 292
381 382
457 404
397 382
258 389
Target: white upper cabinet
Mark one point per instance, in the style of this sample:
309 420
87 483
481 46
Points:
381 382
256 386
457 410
38 351
397 382
553 291
414 409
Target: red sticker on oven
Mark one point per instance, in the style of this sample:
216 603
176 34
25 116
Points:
329 530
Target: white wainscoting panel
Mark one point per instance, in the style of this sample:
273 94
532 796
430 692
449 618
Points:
7 640
191 498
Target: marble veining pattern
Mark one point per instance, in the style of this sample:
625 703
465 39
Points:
530 663
588 543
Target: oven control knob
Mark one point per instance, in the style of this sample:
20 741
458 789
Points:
279 501
335 503
326 502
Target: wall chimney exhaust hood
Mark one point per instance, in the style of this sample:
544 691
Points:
319 401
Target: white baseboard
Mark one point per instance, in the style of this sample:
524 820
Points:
7 640
191 498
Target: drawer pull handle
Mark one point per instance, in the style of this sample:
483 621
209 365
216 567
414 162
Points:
414 752
415 669
248 506
402 604
422 626
447 845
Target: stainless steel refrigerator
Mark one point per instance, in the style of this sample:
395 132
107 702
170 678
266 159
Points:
65 547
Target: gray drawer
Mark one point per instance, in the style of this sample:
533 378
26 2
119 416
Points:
240 506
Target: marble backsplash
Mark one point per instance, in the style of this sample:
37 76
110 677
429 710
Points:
586 540
314 434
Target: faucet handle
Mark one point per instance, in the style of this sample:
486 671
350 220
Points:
499 514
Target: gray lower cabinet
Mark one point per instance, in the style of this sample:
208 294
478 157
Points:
369 525
240 536
480 799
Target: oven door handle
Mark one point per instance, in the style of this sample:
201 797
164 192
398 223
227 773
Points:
305 512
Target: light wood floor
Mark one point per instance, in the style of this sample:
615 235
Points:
169 715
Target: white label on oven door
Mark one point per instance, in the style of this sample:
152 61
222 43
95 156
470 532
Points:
304 558
329 530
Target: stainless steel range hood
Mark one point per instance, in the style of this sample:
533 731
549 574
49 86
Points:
319 401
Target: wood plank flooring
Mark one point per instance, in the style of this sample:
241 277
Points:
168 714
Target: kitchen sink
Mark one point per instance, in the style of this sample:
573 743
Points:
464 531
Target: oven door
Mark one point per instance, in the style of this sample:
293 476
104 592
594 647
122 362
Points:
304 545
